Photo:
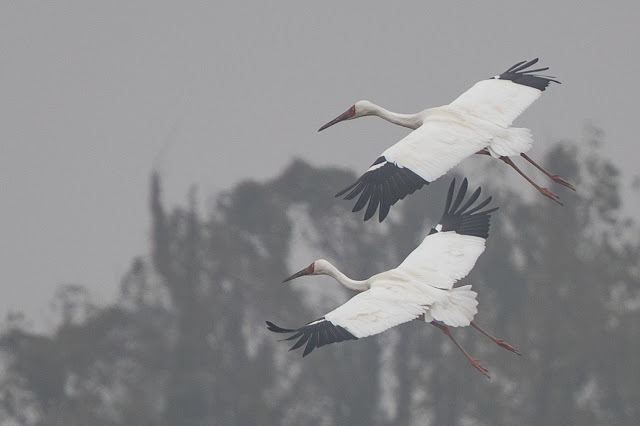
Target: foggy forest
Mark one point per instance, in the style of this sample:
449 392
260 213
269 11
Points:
186 341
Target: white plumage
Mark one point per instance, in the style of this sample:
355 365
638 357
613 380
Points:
478 121
444 139
421 287
443 258
397 296
500 100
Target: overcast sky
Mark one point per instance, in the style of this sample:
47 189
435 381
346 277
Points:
95 94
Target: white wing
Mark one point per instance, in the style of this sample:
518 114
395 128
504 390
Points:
504 97
392 301
443 258
397 298
378 309
367 313
496 100
443 141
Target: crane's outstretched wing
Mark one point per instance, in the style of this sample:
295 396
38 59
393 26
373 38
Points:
382 185
452 248
419 158
370 312
504 97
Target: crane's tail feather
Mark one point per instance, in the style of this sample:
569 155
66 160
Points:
511 141
457 308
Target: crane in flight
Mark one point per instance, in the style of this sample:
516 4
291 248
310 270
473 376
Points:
420 288
477 122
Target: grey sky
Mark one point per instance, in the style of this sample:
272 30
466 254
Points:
93 92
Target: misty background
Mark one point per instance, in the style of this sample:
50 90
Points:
95 97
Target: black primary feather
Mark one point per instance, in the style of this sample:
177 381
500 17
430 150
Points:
381 188
315 334
519 74
461 220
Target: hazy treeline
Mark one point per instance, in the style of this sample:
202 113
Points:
186 342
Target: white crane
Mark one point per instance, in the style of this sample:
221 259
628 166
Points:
477 122
421 287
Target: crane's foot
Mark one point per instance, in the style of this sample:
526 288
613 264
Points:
507 346
479 367
549 194
561 181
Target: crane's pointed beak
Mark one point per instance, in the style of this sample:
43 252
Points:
344 116
306 271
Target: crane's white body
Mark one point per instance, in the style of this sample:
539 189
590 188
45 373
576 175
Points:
444 136
421 286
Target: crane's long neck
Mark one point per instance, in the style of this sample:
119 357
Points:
412 121
333 272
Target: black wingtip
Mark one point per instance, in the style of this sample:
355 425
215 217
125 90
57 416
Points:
340 193
315 334
380 187
461 194
464 218
272 327
519 74
525 66
452 188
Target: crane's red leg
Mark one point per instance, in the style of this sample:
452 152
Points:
499 342
474 362
543 191
553 177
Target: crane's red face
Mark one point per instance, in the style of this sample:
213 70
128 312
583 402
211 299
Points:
306 271
344 116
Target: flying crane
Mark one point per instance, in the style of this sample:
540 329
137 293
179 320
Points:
420 288
477 122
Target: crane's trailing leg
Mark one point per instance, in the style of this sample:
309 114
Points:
473 362
543 191
499 342
555 178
